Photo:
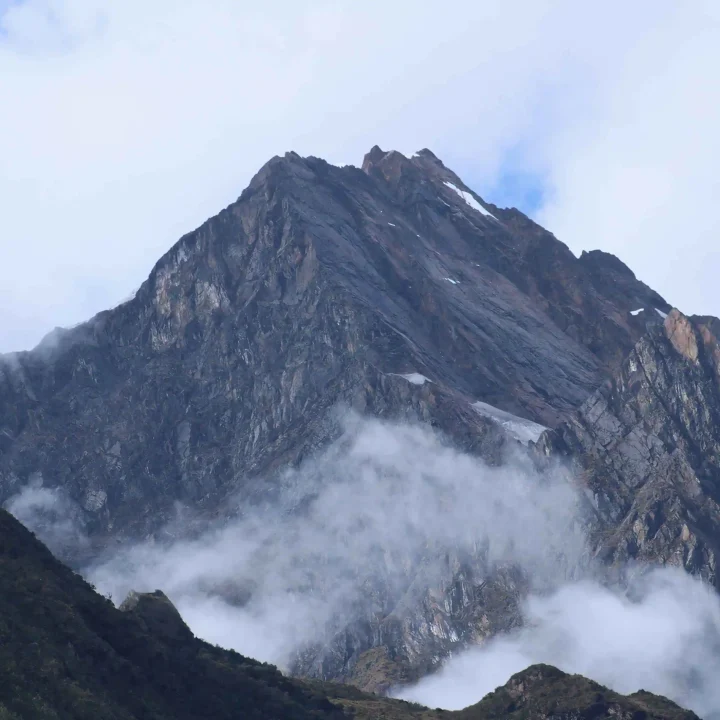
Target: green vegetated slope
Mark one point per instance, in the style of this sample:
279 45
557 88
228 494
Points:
67 652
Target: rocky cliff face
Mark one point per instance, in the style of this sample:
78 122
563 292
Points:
319 285
396 291
647 446
643 450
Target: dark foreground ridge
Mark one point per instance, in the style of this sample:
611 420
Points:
66 653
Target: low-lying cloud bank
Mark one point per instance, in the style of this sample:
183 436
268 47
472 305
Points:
50 513
666 640
371 511
350 531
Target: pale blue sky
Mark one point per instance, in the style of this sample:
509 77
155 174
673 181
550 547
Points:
126 124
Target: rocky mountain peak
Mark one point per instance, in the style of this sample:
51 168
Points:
318 285
375 155
395 290
428 154
542 691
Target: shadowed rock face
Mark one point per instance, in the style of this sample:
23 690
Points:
391 289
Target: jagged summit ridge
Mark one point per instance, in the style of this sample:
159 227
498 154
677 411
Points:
392 165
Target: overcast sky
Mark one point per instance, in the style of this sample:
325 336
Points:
125 124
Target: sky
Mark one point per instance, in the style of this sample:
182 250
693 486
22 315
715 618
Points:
124 125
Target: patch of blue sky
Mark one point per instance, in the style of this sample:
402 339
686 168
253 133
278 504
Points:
5 5
518 182
514 187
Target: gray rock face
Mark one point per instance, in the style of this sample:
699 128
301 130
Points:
396 291
466 606
647 445
320 284
644 449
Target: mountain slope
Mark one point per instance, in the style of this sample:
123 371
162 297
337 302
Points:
66 652
647 444
319 285
540 692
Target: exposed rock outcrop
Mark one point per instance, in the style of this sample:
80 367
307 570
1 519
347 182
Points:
544 692
158 615
647 446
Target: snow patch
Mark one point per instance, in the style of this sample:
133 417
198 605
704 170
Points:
450 280
415 378
520 428
470 200
636 312
662 314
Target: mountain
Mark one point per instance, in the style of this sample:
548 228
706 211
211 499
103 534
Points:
396 291
319 285
68 653
542 691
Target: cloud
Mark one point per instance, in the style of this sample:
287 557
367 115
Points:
56 520
379 506
130 124
663 637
